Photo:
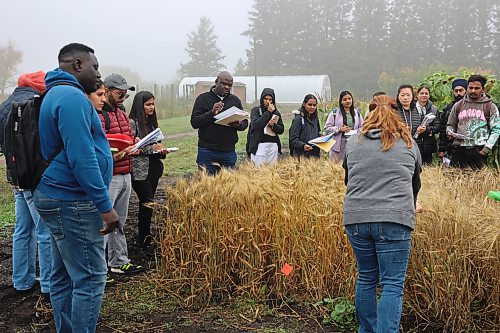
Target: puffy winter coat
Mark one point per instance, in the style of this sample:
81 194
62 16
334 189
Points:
118 123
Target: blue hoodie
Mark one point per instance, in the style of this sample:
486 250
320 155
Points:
82 171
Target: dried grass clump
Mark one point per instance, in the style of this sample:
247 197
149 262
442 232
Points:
453 280
232 234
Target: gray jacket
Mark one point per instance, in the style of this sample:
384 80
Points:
381 186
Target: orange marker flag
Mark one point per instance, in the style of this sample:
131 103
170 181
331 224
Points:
287 269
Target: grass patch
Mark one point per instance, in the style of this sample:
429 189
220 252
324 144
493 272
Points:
7 215
175 125
183 161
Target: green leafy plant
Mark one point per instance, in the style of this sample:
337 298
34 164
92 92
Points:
342 313
440 85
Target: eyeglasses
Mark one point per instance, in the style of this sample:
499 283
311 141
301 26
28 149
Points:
120 94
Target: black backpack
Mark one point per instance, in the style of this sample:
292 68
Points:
23 155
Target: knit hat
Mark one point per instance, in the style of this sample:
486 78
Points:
459 82
34 80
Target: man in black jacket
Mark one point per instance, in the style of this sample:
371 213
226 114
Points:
459 88
29 230
216 142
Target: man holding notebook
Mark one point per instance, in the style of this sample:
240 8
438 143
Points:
216 143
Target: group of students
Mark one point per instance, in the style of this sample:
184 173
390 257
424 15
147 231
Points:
437 134
391 143
84 192
80 204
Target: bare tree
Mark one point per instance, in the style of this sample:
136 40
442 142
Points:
10 57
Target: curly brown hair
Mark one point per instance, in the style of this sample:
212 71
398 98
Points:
383 115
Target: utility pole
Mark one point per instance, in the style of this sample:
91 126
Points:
255 67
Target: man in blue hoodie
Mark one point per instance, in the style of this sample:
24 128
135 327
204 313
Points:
72 196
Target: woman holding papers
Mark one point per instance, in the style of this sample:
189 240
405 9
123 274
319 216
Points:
147 167
305 126
426 139
342 121
263 143
382 173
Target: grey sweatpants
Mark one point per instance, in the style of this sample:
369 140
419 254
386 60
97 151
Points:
119 194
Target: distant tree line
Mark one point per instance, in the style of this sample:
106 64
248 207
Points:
354 41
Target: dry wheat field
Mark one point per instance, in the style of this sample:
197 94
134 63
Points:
232 234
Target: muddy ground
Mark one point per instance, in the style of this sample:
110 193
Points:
133 304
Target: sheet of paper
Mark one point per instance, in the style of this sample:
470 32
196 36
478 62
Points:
154 136
320 139
351 132
268 131
230 115
324 142
326 146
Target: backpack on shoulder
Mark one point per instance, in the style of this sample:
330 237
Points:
23 154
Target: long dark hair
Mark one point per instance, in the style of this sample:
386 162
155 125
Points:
341 107
137 113
412 103
306 99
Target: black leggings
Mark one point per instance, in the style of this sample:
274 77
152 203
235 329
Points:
145 190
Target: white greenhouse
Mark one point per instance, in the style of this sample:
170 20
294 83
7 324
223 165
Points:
288 89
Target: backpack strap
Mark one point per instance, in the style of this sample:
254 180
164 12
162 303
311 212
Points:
54 154
334 112
61 146
486 111
460 105
107 120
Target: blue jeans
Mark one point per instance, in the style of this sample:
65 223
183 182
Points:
381 250
213 161
78 264
28 231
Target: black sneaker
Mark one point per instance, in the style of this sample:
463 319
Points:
127 269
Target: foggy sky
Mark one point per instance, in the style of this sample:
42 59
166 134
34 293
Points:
147 36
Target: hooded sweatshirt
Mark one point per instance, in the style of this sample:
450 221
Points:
82 171
259 117
304 127
471 122
381 186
